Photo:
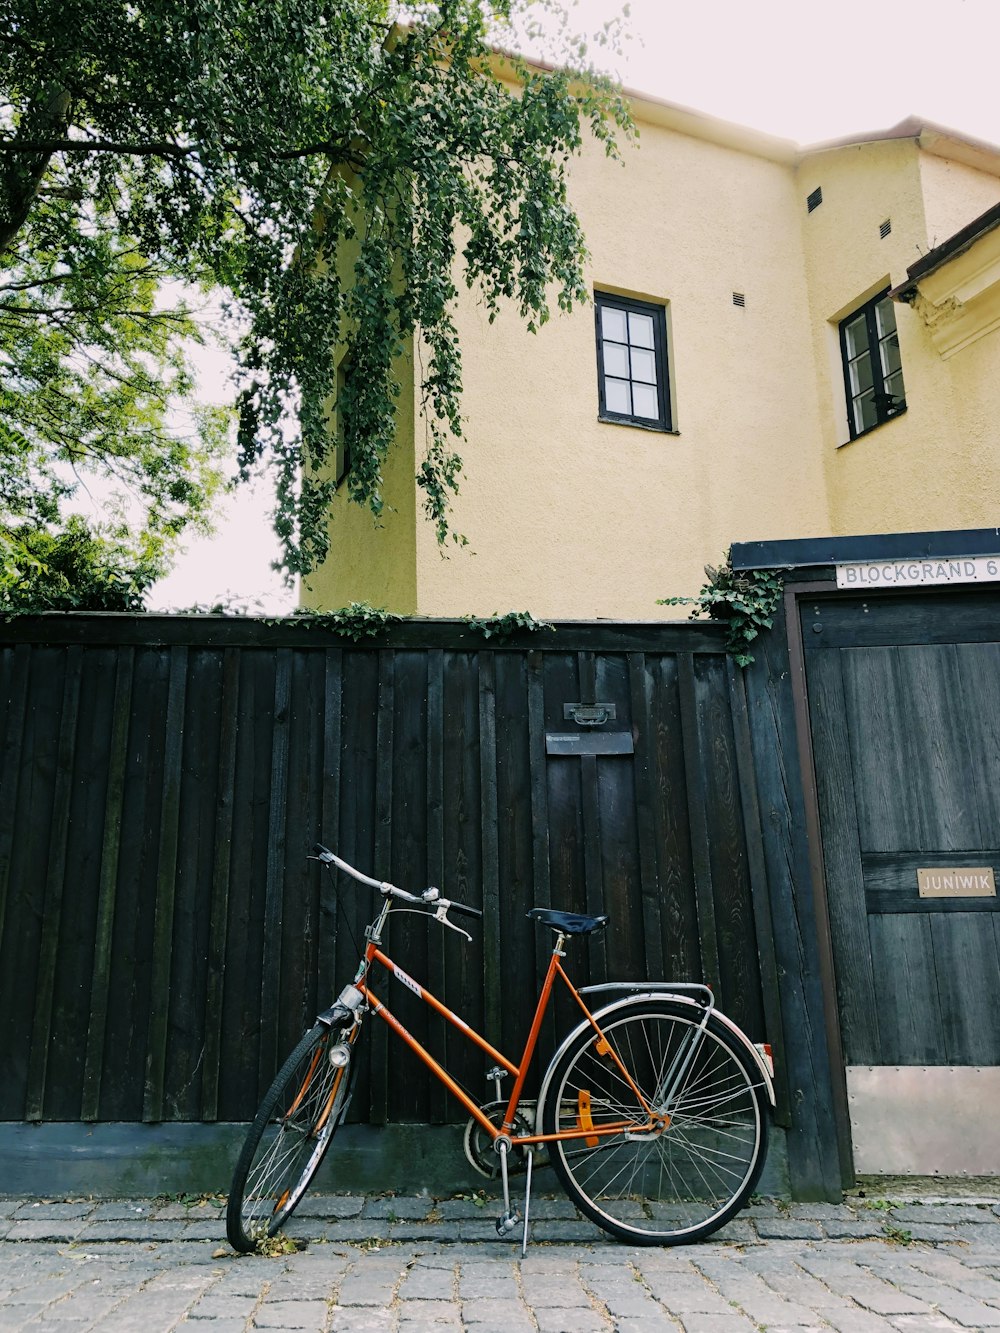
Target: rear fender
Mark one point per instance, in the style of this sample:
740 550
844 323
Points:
638 997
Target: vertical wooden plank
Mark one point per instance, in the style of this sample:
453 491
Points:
11 767
435 834
645 820
593 865
219 909
763 932
384 782
239 1081
967 971
700 849
539 788
979 676
170 806
413 938
773 691
54 883
911 1023
463 858
107 893
838 806
329 833
902 716
678 909
538 784
489 814
271 980
739 973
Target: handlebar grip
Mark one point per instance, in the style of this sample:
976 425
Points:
463 910
322 852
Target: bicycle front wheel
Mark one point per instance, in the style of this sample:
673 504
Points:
290 1135
683 1112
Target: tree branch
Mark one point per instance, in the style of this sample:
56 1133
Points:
20 181
340 152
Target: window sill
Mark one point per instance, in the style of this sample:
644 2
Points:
871 429
637 425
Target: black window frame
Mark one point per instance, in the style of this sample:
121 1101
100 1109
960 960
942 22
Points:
662 422
886 406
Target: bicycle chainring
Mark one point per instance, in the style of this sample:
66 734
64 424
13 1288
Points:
478 1146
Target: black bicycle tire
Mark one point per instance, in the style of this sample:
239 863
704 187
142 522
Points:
314 1041
643 1228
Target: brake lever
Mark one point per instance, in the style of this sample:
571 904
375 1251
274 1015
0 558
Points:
442 915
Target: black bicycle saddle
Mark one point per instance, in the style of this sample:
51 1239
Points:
569 923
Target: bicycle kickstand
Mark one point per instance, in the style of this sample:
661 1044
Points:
509 1218
527 1202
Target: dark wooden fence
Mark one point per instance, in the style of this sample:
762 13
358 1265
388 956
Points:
163 939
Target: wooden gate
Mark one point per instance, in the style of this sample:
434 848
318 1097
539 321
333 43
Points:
904 707
163 939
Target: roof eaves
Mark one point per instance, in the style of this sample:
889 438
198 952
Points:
950 249
935 138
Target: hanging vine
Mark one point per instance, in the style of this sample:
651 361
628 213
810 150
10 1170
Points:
744 600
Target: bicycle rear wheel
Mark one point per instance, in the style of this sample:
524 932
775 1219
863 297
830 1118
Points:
689 1173
290 1136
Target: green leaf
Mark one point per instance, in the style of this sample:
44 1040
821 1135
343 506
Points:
745 600
334 181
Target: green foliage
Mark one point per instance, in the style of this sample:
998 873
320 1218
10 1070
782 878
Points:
502 627
79 569
746 601
241 145
896 1235
94 355
357 621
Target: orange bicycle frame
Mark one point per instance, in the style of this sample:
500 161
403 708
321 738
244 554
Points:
373 954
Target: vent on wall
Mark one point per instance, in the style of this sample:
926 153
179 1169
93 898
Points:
885 228
739 299
815 199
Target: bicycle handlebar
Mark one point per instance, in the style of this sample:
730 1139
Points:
431 898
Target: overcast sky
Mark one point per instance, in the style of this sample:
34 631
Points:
811 70
800 69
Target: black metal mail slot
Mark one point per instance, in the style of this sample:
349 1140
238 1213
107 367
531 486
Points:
589 742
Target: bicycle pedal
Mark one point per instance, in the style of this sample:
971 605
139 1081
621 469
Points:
507 1222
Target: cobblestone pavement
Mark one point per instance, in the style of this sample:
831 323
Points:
410 1265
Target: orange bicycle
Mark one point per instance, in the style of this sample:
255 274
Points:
654 1109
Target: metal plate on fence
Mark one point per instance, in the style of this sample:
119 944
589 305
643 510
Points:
924 1120
589 742
956 882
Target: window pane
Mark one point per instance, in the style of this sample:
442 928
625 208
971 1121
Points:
890 354
865 415
617 397
644 401
861 375
885 317
643 365
613 324
894 387
616 359
640 329
856 337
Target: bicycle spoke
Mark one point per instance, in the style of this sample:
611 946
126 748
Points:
297 1119
676 1173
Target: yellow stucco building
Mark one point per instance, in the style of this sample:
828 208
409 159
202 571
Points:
784 342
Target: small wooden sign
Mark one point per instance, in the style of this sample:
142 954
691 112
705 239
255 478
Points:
957 882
